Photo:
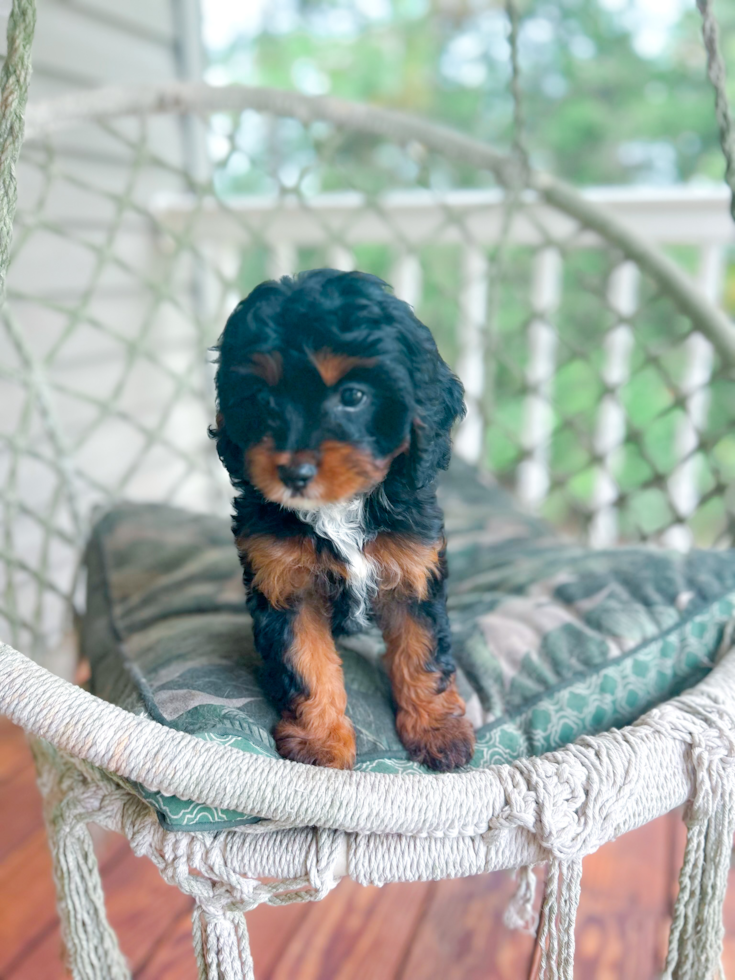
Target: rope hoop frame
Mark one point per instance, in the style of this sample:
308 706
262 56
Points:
376 828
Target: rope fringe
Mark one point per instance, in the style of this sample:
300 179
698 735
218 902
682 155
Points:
695 940
558 916
221 945
91 945
521 914
198 864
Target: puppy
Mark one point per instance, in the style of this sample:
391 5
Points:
334 418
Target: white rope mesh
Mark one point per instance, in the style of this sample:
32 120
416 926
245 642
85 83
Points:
125 266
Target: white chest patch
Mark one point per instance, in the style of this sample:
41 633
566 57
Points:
343 525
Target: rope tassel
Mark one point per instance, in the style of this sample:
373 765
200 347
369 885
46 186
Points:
221 945
520 913
91 945
558 915
695 940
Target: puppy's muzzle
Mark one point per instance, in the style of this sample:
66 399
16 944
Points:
296 476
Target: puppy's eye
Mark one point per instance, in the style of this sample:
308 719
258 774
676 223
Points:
351 397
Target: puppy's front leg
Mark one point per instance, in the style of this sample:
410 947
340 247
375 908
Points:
293 635
304 678
430 719
412 611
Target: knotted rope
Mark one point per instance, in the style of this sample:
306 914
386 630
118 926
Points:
14 80
565 804
695 940
717 76
566 815
199 864
91 945
521 914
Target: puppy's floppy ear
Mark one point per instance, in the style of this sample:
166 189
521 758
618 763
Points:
231 455
440 403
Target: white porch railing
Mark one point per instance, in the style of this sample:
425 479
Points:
471 221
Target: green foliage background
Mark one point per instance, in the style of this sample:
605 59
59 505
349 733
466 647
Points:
588 90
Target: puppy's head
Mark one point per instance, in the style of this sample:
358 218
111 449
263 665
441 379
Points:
325 382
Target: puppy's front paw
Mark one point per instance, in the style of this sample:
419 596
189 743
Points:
442 744
328 743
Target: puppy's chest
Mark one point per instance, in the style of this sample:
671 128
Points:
365 570
344 527
377 566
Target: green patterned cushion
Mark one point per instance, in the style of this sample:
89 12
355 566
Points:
553 640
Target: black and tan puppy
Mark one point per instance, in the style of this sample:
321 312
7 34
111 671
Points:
334 418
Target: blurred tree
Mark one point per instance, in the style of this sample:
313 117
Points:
607 101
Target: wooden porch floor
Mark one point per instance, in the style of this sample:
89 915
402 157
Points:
450 930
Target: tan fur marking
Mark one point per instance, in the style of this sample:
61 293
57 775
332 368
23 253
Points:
282 567
405 566
316 730
286 568
268 366
430 721
344 471
333 367
262 463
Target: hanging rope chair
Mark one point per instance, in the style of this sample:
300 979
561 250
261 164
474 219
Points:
118 762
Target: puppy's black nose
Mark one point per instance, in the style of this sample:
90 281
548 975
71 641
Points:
297 476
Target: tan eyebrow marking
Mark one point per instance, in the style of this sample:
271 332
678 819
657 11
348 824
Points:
333 366
268 366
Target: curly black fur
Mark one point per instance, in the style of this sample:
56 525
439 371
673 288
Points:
413 402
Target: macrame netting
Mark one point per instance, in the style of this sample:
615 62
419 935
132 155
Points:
598 373
557 316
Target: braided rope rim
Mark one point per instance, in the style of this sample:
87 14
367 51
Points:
641 771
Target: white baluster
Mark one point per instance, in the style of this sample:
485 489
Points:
622 294
470 365
339 257
533 472
228 258
407 278
682 484
282 260
216 278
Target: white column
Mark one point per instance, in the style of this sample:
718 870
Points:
282 260
217 289
228 258
538 417
682 484
611 427
340 257
407 278
470 363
